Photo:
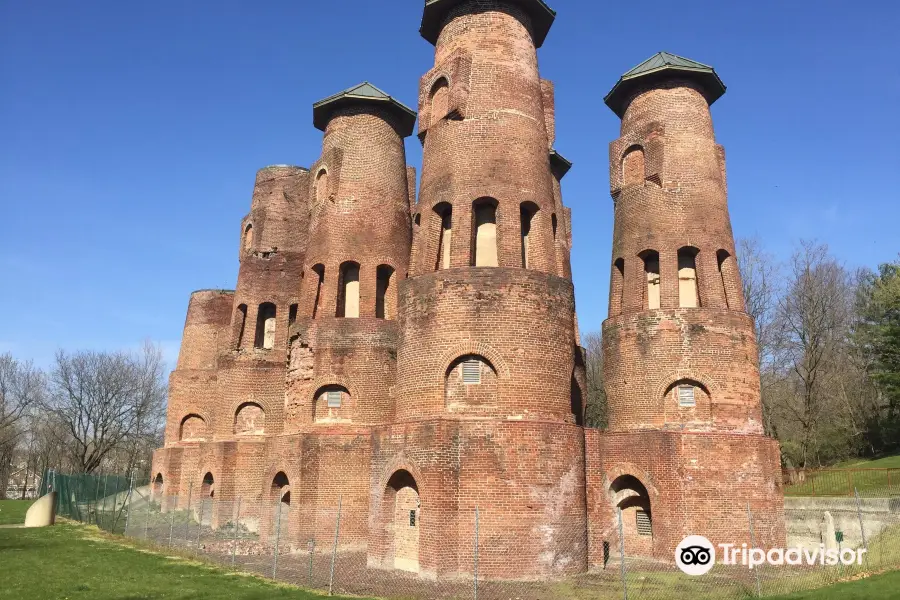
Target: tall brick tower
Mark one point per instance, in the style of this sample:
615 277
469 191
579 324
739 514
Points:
483 413
685 453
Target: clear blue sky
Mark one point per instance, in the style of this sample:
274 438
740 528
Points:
130 133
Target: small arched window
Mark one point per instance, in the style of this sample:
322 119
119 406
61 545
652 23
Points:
240 321
484 211
470 381
321 187
193 429
633 166
250 419
651 272
617 288
265 327
385 295
728 277
348 291
248 237
553 223
319 270
688 296
440 101
332 404
157 490
281 488
527 212
208 486
443 217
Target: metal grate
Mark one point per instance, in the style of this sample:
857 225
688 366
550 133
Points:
644 526
471 372
686 396
334 399
412 518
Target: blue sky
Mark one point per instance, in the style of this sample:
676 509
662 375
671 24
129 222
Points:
131 133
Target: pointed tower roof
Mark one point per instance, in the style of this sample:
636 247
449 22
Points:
361 94
542 17
660 67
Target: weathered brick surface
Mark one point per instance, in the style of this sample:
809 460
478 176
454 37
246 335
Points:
463 386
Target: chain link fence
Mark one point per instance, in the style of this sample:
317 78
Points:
264 538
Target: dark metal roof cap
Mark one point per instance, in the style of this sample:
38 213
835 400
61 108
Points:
660 67
542 17
559 164
363 93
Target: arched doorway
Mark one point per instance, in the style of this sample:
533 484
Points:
157 490
281 496
631 497
401 503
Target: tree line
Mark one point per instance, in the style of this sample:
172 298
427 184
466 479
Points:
829 354
91 412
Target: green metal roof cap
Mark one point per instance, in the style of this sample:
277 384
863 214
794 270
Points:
362 94
542 17
559 164
660 67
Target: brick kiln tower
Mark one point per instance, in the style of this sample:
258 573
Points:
685 450
418 361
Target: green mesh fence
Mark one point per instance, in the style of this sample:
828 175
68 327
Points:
95 499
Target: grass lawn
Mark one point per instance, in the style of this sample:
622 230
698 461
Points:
12 512
888 462
869 477
72 562
878 587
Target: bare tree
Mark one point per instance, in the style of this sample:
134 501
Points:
596 409
813 318
104 399
21 388
761 278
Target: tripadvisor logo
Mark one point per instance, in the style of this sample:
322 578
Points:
695 555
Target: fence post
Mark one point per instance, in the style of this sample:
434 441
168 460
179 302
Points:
200 527
622 555
147 522
813 479
237 520
890 487
475 555
862 529
172 523
753 545
96 496
312 552
190 510
277 536
337 529
128 502
850 487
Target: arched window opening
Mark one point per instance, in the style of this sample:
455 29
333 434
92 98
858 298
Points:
617 288
553 223
158 485
240 321
440 101
292 315
577 401
320 283
281 488
633 165
250 419
631 497
265 326
332 404
687 393
193 429
208 487
651 271
348 291
470 382
248 237
444 219
385 296
321 187
527 212
485 239
688 296
727 272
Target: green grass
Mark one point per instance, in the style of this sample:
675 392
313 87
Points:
72 562
869 477
878 587
12 512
